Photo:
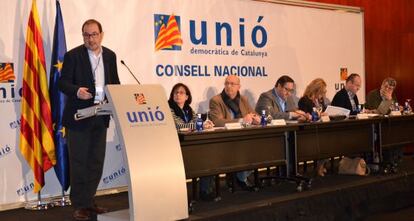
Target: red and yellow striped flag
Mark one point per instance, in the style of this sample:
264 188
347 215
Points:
6 73
36 134
169 35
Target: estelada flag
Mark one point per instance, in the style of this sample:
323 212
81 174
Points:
169 35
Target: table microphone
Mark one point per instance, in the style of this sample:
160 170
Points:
123 63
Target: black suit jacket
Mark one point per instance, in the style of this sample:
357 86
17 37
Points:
306 105
76 73
341 99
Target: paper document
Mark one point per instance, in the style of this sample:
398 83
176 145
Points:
334 110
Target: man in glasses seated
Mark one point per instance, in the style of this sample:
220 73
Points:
279 103
230 106
381 99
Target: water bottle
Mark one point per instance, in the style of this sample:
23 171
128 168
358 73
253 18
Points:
359 109
199 123
315 116
397 106
263 119
407 108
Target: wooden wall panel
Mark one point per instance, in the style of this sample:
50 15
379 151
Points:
389 42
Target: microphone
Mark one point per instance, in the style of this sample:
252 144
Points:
123 63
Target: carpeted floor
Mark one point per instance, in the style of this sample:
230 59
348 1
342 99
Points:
334 197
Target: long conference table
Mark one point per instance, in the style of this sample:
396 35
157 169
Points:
222 151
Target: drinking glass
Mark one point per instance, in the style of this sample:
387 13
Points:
319 110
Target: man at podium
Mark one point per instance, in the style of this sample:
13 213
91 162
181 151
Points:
86 70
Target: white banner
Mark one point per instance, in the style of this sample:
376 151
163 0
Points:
256 40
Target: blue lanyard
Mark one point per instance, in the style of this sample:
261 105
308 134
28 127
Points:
186 116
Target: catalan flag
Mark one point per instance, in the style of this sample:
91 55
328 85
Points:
6 72
58 101
36 134
169 35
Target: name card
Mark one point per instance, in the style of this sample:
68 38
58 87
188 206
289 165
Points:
230 126
395 113
362 116
278 122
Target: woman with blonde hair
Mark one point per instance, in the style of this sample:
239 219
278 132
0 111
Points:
314 97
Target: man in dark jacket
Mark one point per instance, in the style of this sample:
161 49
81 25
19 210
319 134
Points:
380 100
347 97
86 70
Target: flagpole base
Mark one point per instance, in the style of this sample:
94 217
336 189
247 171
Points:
38 205
62 201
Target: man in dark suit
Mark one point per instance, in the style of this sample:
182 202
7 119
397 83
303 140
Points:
279 103
86 70
347 97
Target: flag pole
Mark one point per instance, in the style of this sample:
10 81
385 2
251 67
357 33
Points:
39 204
58 101
63 200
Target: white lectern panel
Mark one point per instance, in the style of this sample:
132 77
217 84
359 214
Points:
157 184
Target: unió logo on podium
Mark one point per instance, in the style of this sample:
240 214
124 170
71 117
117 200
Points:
147 115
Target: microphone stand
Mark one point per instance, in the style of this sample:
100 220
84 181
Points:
123 63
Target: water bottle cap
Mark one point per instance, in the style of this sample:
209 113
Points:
263 111
199 115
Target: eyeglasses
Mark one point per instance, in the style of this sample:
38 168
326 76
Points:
180 93
290 90
230 84
388 87
93 35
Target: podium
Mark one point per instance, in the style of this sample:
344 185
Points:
151 150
